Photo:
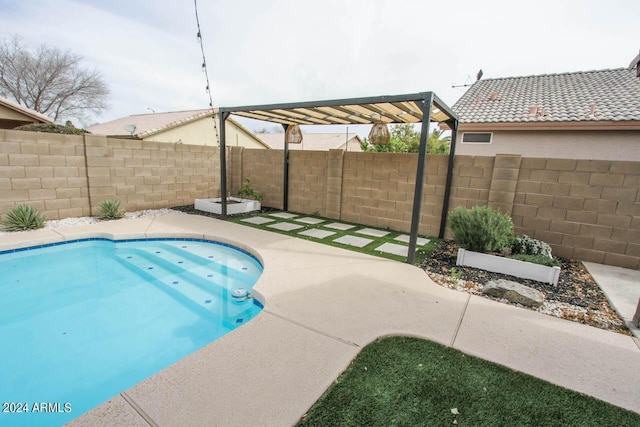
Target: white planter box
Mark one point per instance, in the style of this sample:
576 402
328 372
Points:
235 205
513 267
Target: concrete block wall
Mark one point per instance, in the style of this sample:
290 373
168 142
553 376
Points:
585 209
46 171
68 175
150 175
265 170
308 181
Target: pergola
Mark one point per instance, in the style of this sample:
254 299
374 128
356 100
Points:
423 107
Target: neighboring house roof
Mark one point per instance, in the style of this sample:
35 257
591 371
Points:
150 124
20 115
581 97
314 141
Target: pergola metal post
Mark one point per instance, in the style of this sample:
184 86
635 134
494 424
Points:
285 182
453 125
223 161
426 105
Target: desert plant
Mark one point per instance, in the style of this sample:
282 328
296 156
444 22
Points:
247 192
526 245
537 259
22 217
480 229
110 209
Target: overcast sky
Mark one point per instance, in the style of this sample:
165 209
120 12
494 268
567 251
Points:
271 51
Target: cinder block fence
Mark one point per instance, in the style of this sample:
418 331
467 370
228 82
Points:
585 209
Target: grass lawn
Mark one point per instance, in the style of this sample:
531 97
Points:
401 381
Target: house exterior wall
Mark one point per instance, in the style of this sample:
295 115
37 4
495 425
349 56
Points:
68 175
597 145
202 132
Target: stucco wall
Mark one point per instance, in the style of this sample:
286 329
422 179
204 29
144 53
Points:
596 145
202 132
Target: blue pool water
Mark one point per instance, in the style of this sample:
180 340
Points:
83 321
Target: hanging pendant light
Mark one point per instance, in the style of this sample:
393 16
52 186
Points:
379 134
293 134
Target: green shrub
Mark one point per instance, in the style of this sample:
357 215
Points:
110 209
480 229
53 128
526 245
247 192
537 259
22 217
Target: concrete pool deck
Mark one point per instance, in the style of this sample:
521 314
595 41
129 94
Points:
322 306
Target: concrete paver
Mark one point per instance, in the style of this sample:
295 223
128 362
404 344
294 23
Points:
318 234
372 232
392 248
359 242
285 226
257 220
309 220
621 287
339 226
420 241
322 305
284 215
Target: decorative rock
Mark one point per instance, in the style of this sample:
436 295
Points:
514 292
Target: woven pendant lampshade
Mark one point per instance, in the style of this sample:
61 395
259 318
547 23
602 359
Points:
379 134
293 135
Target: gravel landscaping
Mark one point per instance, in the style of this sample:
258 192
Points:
577 296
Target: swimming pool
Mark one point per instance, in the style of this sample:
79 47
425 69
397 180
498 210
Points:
85 320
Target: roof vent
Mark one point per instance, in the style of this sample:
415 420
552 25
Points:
537 110
494 96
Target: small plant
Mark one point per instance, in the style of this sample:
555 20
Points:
456 275
247 192
537 259
480 229
526 245
22 217
109 209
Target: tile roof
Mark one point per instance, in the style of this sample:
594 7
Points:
313 141
603 95
148 124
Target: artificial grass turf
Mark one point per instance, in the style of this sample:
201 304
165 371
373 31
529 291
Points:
421 252
402 381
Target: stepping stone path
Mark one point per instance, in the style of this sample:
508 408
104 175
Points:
309 220
318 234
359 242
285 226
285 215
392 248
372 232
258 220
339 226
405 238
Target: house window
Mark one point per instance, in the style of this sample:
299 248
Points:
476 137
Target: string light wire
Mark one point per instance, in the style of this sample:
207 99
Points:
206 73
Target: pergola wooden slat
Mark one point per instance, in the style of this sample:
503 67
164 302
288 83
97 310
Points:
423 107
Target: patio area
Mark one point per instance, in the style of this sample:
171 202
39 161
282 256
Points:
322 306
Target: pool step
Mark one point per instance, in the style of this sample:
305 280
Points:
191 290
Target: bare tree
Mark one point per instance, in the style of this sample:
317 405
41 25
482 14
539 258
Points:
51 81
